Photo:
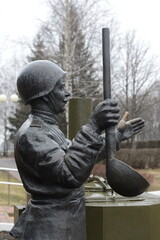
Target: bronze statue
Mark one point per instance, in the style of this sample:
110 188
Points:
52 168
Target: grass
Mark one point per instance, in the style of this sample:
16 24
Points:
17 193
153 177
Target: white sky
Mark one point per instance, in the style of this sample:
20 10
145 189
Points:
19 21
142 15
20 18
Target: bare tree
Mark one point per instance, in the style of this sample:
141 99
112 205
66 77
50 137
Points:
152 114
135 75
70 21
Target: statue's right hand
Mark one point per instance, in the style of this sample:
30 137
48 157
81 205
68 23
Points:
105 114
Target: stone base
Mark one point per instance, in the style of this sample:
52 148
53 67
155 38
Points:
124 219
18 209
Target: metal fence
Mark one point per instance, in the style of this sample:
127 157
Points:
8 182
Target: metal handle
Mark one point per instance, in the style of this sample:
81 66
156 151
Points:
110 132
106 63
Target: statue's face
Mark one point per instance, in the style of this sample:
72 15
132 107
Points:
59 96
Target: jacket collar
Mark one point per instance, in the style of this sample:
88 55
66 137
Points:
46 116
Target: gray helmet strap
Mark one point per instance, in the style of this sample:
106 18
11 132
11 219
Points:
53 102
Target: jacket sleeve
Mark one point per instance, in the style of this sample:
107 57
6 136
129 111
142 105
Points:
68 169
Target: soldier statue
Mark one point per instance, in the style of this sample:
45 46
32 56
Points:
53 169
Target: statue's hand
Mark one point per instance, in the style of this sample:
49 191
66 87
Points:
105 114
127 129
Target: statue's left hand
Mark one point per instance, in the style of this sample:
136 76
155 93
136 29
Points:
127 129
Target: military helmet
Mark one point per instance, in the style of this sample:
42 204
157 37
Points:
37 79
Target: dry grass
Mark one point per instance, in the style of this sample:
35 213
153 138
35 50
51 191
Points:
153 177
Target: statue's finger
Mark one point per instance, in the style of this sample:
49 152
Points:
136 121
138 128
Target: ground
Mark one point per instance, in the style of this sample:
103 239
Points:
5 236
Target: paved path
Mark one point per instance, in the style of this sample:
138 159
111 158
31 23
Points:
9 163
6 214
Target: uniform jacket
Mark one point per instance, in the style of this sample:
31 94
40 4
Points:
53 170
